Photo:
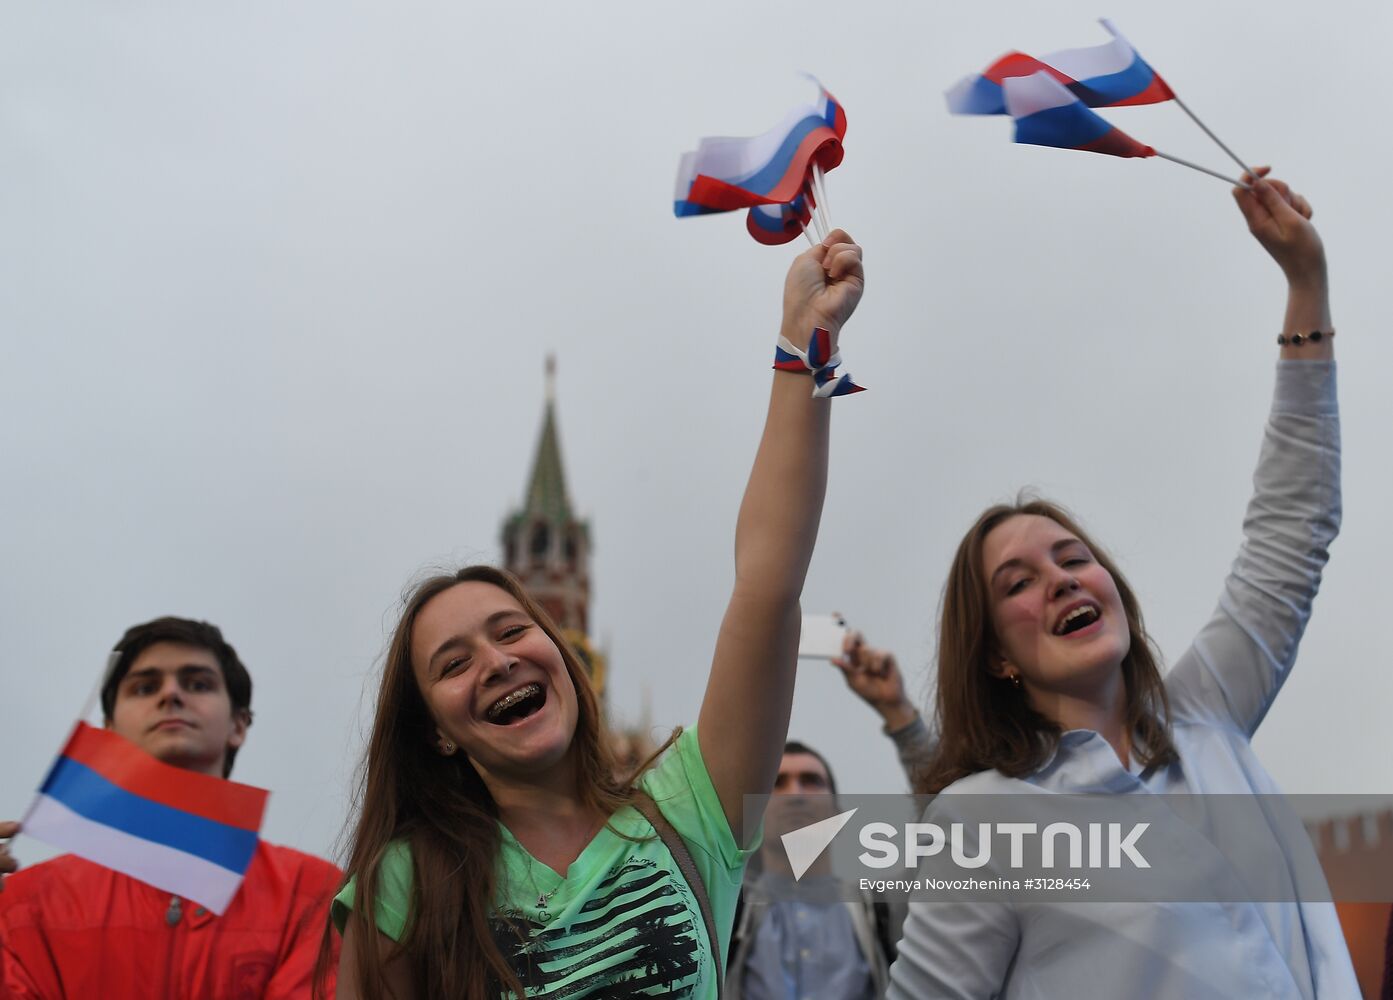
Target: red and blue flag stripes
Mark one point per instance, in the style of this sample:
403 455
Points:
1101 76
724 174
108 801
820 361
773 225
1047 114
1111 75
982 93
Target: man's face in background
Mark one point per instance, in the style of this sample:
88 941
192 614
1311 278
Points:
802 794
173 703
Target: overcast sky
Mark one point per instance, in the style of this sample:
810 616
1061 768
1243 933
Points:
277 282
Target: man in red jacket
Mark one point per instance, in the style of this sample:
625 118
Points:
70 928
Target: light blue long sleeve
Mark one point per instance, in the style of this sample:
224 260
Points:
1220 690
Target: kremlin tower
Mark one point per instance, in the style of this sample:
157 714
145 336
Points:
547 547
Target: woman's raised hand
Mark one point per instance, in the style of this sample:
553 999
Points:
822 288
875 678
1280 219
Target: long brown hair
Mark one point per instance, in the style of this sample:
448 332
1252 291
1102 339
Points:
984 722
440 807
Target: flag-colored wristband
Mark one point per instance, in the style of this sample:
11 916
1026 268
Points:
819 361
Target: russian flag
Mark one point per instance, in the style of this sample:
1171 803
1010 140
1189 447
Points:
982 93
725 173
110 802
1103 76
1111 75
774 225
1047 114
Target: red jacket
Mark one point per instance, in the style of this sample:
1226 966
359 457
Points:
72 930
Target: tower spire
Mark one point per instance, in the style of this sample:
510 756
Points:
547 499
544 544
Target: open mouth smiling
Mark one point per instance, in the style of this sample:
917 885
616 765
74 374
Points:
1080 616
517 705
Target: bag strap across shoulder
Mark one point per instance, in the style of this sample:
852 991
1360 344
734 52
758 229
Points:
671 839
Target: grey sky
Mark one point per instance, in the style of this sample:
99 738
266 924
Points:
277 282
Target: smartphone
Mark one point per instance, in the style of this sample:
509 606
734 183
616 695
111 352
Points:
822 636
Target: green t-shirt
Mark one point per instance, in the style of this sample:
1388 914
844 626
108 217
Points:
622 918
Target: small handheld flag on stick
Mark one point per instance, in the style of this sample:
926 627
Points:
1102 76
1117 35
772 175
1111 75
1046 113
110 802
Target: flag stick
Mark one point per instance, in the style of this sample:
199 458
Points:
804 227
1112 30
87 707
1193 117
811 200
820 186
91 702
1203 170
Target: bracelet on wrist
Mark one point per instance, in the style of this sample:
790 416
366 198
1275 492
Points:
1298 339
820 361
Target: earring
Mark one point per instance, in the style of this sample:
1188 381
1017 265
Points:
1015 681
446 747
